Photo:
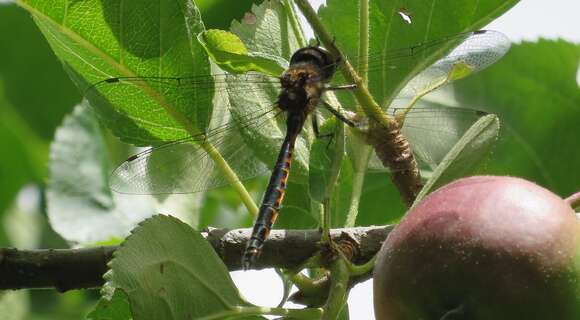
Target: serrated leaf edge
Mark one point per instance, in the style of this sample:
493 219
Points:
470 135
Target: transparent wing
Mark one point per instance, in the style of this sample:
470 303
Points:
190 97
477 49
185 166
432 130
475 53
415 70
188 83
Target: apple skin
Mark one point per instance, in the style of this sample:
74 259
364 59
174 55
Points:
481 248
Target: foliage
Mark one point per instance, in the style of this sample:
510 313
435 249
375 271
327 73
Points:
160 256
81 207
537 101
96 41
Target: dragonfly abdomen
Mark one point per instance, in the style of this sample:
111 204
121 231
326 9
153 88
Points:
273 196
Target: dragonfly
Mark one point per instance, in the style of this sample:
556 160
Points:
188 165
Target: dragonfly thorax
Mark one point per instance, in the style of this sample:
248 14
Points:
303 82
302 87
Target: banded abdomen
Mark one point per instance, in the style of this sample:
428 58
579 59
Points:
275 192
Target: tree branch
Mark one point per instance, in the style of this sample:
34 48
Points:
66 269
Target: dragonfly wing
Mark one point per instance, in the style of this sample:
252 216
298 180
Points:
149 110
433 129
407 71
186 167
475 53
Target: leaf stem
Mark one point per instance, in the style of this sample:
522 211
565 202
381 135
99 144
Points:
232 178
361 158
360 164
294 23
325 237
363 47
338 293
401 117
317 208
307 285
359 270
333 179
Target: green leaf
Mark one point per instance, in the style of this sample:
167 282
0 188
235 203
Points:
268 29
34 82
535 92
344 314
380 202
97 41
459 71
433 129
116 308
220 13
169 271
297 210
431 20
80 205
340 203
321 156
466 155
221 42
230 54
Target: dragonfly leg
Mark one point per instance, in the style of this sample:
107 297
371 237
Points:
317 129
338 114
330 136
341 87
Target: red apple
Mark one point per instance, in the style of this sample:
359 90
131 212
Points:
482 248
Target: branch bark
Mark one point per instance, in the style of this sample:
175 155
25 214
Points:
66 269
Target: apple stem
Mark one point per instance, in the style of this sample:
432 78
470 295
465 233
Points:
574 200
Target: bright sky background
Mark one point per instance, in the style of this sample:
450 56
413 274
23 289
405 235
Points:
528 20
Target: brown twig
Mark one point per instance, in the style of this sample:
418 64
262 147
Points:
66 269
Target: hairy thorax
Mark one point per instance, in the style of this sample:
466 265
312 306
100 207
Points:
302 87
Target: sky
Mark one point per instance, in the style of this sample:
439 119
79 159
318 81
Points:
528 20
